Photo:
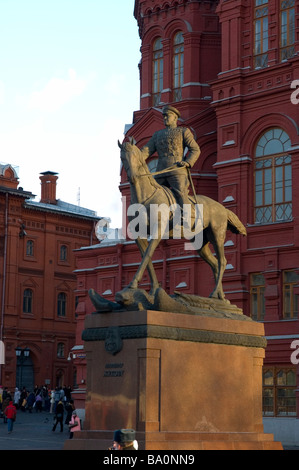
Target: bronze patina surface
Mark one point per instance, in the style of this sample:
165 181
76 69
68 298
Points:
168 188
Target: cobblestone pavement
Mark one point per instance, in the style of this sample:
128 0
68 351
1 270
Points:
32 431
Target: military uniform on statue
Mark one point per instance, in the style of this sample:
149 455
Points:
170 144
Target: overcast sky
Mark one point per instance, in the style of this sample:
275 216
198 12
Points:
69 83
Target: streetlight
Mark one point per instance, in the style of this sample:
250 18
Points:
18 352
26 352
71 356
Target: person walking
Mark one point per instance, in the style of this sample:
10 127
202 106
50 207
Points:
5 404
11 414
74 424
56 398
23 399
52 401
17 397
59 416
69 407
46 398
38 403
30 401
67 393
5 392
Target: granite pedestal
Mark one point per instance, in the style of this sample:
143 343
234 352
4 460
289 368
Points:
183 382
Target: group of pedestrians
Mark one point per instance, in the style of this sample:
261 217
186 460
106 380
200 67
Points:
26 400
57 402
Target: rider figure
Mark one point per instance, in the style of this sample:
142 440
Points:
170 144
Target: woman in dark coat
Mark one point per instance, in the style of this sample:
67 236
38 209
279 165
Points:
69 408
30 401
59 416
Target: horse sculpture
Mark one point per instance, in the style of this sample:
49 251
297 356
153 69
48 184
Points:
216 220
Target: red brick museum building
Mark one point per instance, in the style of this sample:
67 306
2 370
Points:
38 284
231 67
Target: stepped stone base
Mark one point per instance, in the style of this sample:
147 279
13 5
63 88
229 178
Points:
101 440
183 382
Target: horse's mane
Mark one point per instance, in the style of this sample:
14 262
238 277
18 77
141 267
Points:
145 172
142 161
145 168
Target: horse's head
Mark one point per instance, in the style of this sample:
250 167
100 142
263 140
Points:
127 147
131 158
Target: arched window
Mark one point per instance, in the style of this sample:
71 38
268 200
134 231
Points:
178 66
273 177
61 304
157 71
63 253
29 248
27 301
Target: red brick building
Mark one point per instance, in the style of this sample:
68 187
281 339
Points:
38 298
230 67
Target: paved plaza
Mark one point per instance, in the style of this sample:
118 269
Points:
32 431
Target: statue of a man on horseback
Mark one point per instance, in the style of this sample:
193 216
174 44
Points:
170 144
165 189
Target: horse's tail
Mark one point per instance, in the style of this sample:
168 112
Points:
234 224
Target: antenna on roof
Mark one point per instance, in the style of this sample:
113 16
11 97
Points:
78 197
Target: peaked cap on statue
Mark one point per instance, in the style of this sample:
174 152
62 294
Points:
172 109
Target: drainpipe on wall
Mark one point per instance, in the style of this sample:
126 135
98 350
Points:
4 273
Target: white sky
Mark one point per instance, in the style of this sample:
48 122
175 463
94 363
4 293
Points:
69 82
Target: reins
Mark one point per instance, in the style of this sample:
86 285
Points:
171 168
166 170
